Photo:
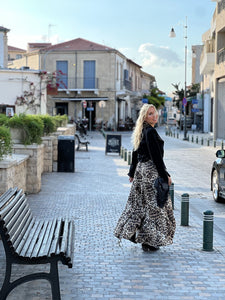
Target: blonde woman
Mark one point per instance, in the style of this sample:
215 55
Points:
142 220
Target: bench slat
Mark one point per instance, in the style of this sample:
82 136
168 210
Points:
44 250
34 239
24 243
64 238
70 245
25 229
53 250
39 240
30 240
12 224
9 204
20 227
7 195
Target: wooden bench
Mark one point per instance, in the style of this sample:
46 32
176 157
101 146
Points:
31 241
81 143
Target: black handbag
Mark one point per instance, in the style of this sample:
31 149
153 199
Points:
162 188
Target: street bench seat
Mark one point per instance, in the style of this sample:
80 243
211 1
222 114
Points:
80 143
28 240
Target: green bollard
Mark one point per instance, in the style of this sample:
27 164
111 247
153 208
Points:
208 230
171 191
196 139
184 210
121 152
192 139
125 154
202 141
129 158
188 138
214 142
208 142
222 145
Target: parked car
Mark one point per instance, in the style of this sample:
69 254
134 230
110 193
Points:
218 177
172 121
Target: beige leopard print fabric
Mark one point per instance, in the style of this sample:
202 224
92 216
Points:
142 219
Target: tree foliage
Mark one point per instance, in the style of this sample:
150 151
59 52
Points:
155 98
191 91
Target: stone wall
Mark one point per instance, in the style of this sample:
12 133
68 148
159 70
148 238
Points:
25 167
13 172
34 165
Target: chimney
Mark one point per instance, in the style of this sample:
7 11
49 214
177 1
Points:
3 47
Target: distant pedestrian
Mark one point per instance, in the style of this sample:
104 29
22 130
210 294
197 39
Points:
143 220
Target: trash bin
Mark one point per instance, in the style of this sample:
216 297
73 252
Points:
66 153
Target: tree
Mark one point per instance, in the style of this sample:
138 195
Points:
191 91
155 98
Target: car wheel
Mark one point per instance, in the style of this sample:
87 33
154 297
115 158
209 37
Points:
215 186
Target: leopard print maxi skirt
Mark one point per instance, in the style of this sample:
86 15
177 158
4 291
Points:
142 221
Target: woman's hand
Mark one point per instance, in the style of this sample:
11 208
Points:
169 180
131 179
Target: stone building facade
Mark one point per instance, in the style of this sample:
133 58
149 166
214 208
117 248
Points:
94 81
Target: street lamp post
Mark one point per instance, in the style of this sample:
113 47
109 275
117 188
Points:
172 35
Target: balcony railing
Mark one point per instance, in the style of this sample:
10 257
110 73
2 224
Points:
127 84
78 83
221 6
221 56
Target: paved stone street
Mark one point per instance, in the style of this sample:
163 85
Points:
95 195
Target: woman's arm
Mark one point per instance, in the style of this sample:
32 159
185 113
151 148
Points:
156 152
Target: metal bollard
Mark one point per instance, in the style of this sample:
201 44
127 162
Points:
184 210
214 142
129 158
171 191
222 145
196 139
208 230
125 154
202 141
188 138
192 139
177 135
208 142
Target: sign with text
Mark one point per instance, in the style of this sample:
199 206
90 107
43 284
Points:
113 143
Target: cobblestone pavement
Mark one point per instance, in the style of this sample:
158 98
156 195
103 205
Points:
94 196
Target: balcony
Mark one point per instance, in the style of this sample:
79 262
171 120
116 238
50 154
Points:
221 56
78 84
207 61
127 84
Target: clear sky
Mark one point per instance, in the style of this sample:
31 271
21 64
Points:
137 28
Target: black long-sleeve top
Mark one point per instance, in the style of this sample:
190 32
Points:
151 147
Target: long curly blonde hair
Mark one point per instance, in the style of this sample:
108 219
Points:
136 135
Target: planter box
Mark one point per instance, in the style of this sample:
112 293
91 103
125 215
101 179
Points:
17 135
52 90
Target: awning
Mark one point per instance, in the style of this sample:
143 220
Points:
82 99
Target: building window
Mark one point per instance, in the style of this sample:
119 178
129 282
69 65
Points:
18 56
89 74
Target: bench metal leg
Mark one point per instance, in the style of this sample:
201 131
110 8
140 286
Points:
52 277
54 274
5 290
